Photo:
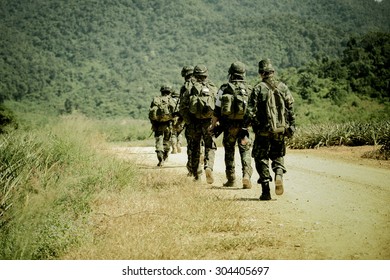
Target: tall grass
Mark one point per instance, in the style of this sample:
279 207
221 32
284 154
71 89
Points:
125 130
49 178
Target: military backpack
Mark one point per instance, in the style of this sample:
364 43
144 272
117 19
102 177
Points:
234 101
201 101
275 109
162 108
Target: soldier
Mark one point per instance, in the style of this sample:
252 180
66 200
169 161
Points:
187 74
161 114
231 98
197 108
270 112
177 127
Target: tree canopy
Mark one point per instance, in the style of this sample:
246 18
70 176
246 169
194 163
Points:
109 57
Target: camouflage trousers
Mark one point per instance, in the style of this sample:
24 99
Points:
175 139
230 138
162 136
177 128
198 131
189 153
266 149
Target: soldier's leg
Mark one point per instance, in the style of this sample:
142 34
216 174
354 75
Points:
244 149
178 143
159 136
202 151
209 153
167 141
179 127
277 153
229 143
196 135
260 154
174 142
189 154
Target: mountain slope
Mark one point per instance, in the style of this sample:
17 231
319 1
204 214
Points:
109 57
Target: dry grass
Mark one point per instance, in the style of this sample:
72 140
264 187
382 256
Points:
169 217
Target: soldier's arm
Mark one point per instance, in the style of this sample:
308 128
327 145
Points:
290 114
184 105
250 113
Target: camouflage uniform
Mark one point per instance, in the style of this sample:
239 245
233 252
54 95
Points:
162 133
234 132
187 74
198 129
267 145
177 127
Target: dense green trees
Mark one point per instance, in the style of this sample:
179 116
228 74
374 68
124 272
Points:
107 58
368 62
349 83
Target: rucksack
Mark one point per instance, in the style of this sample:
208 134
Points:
161 109
234 101
201 101
276 109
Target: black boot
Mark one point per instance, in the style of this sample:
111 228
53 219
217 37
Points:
160 158
265 195
231 182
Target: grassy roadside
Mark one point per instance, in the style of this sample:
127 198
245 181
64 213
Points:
49 179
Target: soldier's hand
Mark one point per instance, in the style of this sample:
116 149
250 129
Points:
290 131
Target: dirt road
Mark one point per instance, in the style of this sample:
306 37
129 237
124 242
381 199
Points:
335 205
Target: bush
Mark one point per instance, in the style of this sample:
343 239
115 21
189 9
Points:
7 119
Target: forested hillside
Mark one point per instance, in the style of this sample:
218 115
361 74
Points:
109 57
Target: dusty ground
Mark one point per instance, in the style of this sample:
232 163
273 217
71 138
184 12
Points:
336 205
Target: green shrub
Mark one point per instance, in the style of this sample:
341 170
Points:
7 119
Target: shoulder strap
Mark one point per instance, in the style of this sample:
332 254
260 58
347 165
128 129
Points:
269 86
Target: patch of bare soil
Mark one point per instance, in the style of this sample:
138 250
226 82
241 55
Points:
336 204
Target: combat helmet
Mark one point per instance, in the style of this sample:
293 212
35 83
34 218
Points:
265 66
166 89
187 70
237 68
201 70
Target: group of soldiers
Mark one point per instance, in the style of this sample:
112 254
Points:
200 130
